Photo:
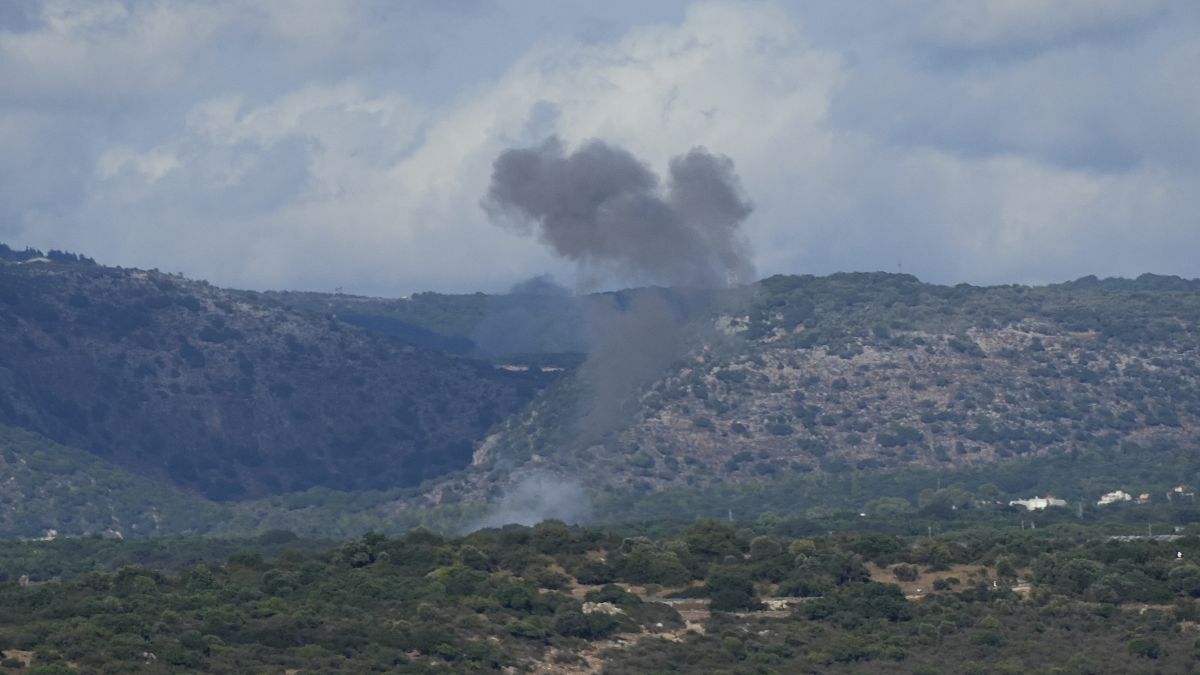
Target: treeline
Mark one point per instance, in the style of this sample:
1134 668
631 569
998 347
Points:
551 596
843 309
53 255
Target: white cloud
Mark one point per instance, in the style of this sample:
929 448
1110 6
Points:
102 52
266 148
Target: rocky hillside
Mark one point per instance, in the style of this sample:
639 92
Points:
856 372
230 394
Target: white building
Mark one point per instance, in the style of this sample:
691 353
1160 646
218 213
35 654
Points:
1038 503
1114 497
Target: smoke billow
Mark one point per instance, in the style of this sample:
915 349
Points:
605 210
536 497
602 208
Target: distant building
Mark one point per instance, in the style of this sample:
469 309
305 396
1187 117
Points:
1144 498
1038 503
1114 497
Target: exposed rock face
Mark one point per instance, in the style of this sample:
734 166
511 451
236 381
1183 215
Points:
231 394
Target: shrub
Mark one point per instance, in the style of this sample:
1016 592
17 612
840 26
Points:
904 572
1144 647
730 591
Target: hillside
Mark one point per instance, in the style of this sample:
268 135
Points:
51 490
536 319
864 372
227 393
335 414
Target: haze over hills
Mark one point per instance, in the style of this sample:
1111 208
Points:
236 395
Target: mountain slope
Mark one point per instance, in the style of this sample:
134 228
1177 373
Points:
537 318
47 486
858 372
228 393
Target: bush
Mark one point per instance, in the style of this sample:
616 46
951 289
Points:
530 628
592 626
647 565
904 572
1145 647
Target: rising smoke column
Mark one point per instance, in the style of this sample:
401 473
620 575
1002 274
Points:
608 212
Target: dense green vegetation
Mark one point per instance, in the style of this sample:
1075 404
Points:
913 499
50 487
72 557
840 308
712 598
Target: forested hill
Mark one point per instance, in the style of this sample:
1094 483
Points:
861 372
228 393
236 395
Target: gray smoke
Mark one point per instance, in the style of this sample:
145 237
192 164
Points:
634 339
602 208
536 497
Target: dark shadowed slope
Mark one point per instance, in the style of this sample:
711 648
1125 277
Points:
230 394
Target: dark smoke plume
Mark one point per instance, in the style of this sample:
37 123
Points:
602 208
633 340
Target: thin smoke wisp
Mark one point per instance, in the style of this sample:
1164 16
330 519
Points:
536 497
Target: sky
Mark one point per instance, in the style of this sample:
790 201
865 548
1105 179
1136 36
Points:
328 144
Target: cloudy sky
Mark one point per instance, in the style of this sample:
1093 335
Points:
318 144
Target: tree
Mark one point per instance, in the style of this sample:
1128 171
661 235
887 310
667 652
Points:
904 572
730 590
648 565
1005 569
1185 579
889 506
711 539
551 537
